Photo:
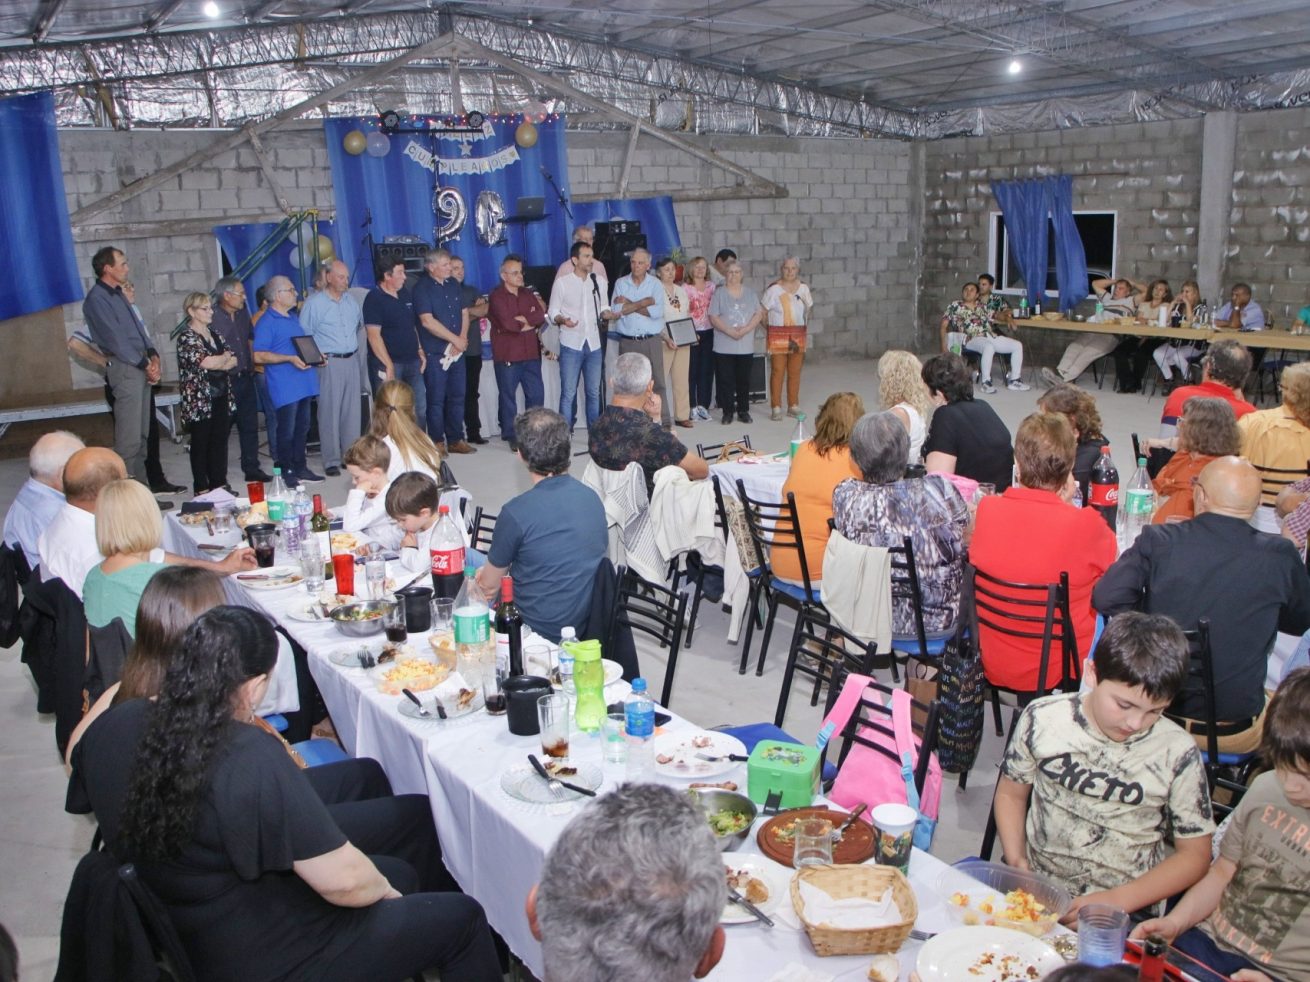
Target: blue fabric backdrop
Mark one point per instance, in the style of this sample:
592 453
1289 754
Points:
240 241
36 241
396 190
655 215
1024 205
1070 256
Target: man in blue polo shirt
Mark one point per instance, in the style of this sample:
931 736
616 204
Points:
392 329
443 323
291 383
637 317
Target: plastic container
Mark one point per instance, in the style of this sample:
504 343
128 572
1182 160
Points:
984 902
639 723
567 636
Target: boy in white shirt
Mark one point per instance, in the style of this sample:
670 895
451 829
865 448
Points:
368 460
414 502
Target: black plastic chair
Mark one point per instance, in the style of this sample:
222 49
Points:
711 451
480 531
655 611
876 714
773 526
822 651
1274 479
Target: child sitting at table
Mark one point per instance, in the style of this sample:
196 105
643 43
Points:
1094 783
368 460
412 502
1252 910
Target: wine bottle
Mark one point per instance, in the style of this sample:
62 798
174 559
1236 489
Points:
509 630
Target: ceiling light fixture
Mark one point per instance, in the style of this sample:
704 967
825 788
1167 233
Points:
211 9
1016 66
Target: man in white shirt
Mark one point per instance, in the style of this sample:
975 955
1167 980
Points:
720 268
576 302
68 545
42 495
585 235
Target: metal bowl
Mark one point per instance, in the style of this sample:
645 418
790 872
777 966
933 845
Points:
346 617
711 800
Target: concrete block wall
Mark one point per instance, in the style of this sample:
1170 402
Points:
1269 238
1147 172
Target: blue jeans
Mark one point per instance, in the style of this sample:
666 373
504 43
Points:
247 421
701 375
509 376
292 431
445 399
1202 947
402 371
270 414
588 364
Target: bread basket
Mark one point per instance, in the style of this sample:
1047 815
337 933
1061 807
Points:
841 882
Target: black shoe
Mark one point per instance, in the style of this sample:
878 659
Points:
164 505
167 487
309 477
744 418
332 471
727 419
478 439
259 476
513 447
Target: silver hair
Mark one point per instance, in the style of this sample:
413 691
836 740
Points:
50 453
274 284
582 228
226 284
435 255
632 373
632 889
880 447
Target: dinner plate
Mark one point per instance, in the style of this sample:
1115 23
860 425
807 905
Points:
271 578
525 784
681 748
775 881
453 710
347 656
774 836
308 612
985 954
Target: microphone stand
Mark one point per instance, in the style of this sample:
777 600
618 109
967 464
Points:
365 245
564 202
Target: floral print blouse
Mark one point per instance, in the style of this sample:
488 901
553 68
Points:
700 304
972 322
194 381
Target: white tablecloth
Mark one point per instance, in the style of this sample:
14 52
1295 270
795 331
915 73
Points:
495 845
763 481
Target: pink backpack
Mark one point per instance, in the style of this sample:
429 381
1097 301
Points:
870 777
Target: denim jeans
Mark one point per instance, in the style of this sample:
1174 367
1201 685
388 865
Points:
588 364
247 420
701 375
270 414
402 371
292 431
509 376
445 399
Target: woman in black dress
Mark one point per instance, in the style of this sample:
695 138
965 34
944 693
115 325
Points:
260 882
203 363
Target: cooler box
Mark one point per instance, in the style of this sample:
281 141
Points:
789 770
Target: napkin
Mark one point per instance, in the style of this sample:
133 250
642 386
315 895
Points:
851 912
218 496
799 973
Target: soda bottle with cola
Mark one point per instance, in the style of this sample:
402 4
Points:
446 550
1104 490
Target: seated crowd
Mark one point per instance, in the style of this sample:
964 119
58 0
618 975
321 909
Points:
271 869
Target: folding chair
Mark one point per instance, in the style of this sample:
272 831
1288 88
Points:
711 451
1274 479
655 611
481 529
876 714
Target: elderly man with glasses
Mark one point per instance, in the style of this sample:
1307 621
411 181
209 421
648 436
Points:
232 323
291 383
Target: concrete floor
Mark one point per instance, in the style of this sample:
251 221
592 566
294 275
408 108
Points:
40 843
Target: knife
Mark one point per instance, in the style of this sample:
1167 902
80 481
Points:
422 710
541 769
751 909
441 710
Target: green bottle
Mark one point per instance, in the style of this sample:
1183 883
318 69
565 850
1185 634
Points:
589 684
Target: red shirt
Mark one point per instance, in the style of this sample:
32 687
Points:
509 342
1173 407
1031 536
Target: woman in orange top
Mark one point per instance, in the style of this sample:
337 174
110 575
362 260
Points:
818 467
1207 429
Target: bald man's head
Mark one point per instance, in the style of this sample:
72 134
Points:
89 470
49 455
1228 486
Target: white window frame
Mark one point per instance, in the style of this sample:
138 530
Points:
1001 262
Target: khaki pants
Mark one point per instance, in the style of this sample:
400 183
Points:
677 362
790 365
1230 743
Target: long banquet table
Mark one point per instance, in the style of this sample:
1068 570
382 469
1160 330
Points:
1281 340
495 845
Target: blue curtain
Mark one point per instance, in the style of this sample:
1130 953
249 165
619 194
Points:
240 241
1070 258
395 190
1025 208
655 214
39 269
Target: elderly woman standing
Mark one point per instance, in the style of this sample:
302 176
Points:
735 312
208 404
902 392
701 374
1206 431
969 317
787 303
677 360
883 506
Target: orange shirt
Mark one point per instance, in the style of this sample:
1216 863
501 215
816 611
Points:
812 480
1173 485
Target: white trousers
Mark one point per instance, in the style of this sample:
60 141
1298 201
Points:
1082 351
989 347
1168 358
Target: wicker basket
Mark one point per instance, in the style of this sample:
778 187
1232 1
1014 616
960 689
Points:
841 882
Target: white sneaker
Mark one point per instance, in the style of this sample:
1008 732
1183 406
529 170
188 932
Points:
1017 385
701 413
988 386
1051 377
776 413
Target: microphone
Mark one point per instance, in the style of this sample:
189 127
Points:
595 284
368 217
545 173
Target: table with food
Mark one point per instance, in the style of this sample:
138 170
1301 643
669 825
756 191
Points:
503 782
1270 338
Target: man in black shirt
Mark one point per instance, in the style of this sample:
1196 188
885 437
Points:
392 331
232 324
475 302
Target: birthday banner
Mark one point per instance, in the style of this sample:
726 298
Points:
458 190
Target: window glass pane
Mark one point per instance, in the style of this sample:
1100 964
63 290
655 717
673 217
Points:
1096 228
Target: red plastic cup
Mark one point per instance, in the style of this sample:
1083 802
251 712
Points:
255 490
343 566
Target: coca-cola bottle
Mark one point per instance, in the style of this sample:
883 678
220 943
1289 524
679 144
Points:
1105 488
446 549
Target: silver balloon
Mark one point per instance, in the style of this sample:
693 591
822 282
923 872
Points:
448 204
490 218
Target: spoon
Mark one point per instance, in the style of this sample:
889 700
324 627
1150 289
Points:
422 710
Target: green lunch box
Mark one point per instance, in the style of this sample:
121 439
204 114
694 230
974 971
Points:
788 772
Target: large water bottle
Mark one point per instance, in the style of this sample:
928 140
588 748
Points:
276 499
589 682
1139 504
639 724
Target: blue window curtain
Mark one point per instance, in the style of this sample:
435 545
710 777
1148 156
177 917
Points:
240 241
1025 207
39 268
1070 257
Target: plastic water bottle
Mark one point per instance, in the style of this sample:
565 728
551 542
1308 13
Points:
276 499
291 535
639 723
567 636
304 511
1023 308
1077 495
798 437
1139 503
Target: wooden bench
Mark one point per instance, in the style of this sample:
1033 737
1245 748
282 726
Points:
62 405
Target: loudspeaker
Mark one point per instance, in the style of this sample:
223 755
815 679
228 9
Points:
411 254
759 380
541 279
614 254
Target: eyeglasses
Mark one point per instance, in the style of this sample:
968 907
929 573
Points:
287 289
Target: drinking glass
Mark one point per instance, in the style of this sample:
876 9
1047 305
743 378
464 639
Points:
264 542
537 659
443 614
375 576
311 566
343 570
812 842
222 519
553 712
1102 932
493 693
393 623
616 745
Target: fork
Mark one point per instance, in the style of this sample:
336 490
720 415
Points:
740 758
552 782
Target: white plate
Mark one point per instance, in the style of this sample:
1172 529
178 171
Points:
613 671
453 711
346 655
272 578
958 954
526 784
685 764
778 883
308 612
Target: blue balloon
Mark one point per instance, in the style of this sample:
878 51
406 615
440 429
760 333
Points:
379 144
